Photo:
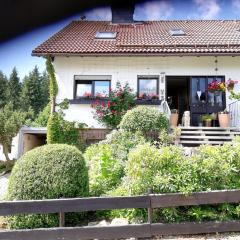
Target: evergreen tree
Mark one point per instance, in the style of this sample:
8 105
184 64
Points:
3 89
34 93
14 89
45 89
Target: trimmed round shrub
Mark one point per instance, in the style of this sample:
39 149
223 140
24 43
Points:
49 172
144 119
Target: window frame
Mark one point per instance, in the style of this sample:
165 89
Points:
98 35
139 78
87 81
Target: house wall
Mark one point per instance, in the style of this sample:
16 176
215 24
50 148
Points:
31 141
126 69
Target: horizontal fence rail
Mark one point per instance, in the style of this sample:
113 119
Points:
72 205
200 198
149 229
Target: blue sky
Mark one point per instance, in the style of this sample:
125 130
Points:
17 52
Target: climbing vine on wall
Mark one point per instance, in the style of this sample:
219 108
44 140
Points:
53 87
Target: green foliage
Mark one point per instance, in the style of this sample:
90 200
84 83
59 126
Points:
14 89
144 119
53 87
167 138
45 88
105 171
34 94
6 167
168 170
42 118
3 90
47 172
106 160
10 123
61 131
120 100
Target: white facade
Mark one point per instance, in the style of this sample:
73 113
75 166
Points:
126 69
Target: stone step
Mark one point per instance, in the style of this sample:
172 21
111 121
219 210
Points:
195 136
207 137
210 132
185 142
210 128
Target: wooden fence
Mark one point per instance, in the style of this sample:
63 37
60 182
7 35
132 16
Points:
93 135
148 229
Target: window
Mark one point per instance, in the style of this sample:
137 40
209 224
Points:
106 35
147 86
92 88
177 32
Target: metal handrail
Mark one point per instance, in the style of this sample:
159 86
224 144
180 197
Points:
234 109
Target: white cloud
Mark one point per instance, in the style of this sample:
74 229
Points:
102 14
236 5
153 10
208 9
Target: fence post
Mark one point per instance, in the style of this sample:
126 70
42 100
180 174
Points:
61 219
150 210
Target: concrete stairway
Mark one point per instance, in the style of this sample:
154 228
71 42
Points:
194 136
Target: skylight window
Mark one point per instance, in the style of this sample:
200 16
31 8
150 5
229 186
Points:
177 32
106 35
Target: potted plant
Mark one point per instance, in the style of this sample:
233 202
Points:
216 86
230 84
174 118
207 120
142 96
87 95
224 119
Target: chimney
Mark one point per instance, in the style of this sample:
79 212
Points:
122 13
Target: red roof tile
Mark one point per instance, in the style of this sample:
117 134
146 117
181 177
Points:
202 37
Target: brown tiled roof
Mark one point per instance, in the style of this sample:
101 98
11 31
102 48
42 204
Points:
153 37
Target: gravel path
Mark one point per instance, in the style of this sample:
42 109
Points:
3 185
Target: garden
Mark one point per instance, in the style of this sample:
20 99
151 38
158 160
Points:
126 163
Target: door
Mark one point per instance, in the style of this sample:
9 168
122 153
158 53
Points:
203 101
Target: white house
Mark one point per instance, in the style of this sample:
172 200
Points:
175 60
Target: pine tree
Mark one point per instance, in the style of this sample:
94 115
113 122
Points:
3 89
34 91
14 89
45 89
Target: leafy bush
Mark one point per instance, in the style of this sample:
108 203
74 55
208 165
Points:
144 119
42 118
106 160
168 170
10 123
120 100
47 172
61 131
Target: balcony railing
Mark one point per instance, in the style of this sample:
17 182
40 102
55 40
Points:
234 109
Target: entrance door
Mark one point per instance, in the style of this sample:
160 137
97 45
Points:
203 101
178 94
